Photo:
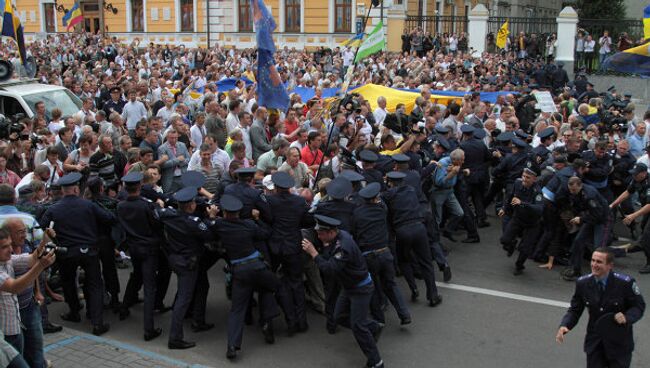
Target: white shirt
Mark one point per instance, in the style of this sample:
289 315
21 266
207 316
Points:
605 43
298 145
55 126
589 46
232 122
132 113
197 133
82 115
164 113
219 158
246 134
380 115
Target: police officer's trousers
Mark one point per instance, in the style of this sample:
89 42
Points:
589 234
292 290
246 279
599 359
184 293
144 269
200 297
433 234
382 269
412 237
351 311
92 284
528 233
109 270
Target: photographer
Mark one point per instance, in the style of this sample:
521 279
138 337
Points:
7 176
29 266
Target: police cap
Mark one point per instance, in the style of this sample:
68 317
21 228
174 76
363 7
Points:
283 180
611 89
339 188
326 223
395 175
133 178
467 129
627 94
115 89
370 191
186 194
561 159
442 142
441 129
520 133
638 168
545 133
531 169
193 179
230 203
519 143
401 158
352 176
69 179
246 171
479 133
505 137
368 156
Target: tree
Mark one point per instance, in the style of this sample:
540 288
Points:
600 9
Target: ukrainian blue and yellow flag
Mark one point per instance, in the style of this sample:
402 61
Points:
646 22
12 28
354 41
73 17
635 60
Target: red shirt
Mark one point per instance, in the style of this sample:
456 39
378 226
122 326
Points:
290 127
311 158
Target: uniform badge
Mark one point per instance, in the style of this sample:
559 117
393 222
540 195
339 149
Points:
593 204
529 164
338 255
538 198
635 288
203 226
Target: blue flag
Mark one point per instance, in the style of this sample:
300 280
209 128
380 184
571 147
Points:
12 28
271 92
635 60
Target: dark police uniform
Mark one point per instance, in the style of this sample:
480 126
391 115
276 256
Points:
522 221
477 159
76 222
249 272
411 235
540 156
111 105
370 230
185 238
599 169
616 293
136 215
290 214
251 198
372 175
643 190
349 268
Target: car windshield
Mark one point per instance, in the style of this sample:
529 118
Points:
68 103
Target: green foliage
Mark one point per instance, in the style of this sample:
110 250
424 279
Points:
600 9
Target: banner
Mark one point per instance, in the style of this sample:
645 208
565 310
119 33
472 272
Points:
502 36
374 43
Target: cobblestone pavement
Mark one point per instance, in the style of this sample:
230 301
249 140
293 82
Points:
73 349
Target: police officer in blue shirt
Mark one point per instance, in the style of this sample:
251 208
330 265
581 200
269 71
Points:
369 229
522 210
615 303
348 266
76 223
185 244
136 215
249 271
290 214
410 235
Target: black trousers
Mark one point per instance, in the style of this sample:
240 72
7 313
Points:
246 279
93 285
599 359
515 228
163 274
200 298
382 269
477 192
184 293
144 266
413 238
109 271
291 295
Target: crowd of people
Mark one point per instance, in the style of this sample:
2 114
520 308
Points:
321 205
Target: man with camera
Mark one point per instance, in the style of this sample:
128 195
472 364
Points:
14 289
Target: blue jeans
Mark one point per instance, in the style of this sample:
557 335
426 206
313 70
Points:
442 198
32 335
17 342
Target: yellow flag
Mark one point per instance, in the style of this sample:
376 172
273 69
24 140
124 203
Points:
502 36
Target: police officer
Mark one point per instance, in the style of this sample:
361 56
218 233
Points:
136 215
116 103
357 184
523 210
615 303
290 214
249 271
622 162
368 162
348 266
501 149
540 155
641 185
369 229
410 235
185 237
76 222
477 159
512 165
252 198
599 165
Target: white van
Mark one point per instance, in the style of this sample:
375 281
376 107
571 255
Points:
21 96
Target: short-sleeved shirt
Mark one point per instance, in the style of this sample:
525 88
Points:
9 310
268 160
643 188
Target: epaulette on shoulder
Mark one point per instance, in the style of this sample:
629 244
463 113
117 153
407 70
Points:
585 277
195 219
622 276
146 199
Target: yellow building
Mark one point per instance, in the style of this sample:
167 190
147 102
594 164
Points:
301 23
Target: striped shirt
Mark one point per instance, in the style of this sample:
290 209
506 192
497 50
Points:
9 312
103 165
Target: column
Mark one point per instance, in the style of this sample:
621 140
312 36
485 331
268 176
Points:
478 27
567 23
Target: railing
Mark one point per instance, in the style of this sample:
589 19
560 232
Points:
539 26
438 24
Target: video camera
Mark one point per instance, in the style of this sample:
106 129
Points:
58 251
9 127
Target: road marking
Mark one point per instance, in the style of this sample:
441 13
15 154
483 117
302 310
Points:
503 294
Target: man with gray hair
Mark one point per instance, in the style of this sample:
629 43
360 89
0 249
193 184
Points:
443 195
274 158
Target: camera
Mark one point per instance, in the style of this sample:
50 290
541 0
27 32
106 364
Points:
8 127
49 247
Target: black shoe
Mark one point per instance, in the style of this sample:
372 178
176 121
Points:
71 317
541 259
446 274
150 335
331 329
561 261
473 239
571 276
180 344
519 270
483 224
435 301
162 309
49 328
510 249
377 334
378 365
303 327
231 353
267 331
99 330
449 236
200 327
405 321
415 294
645 269
124 313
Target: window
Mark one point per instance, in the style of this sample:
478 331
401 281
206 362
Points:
50 17
292 19
187 15
137 16
343 15
245 16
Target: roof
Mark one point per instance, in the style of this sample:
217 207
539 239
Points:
27 86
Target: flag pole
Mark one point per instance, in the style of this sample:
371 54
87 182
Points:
338 102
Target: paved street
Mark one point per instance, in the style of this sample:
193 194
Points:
488 318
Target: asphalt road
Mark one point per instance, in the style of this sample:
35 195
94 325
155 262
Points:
489 318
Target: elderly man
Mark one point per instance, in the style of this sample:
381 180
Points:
273 159
443 195
176 165
260 133
296 168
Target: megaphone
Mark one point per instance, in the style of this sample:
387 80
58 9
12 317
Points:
6 70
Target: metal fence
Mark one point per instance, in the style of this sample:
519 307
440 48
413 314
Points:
540 26
438 24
